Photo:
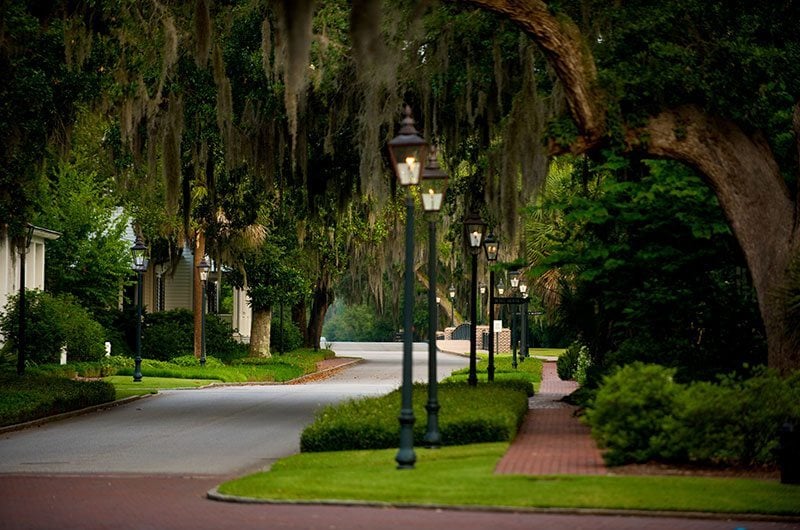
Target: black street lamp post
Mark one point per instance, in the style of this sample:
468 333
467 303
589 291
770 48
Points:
519 300
204 266
407 151
23 245
452 293
523 340
434 182
482 289
474 229
513 279
490 246
138 251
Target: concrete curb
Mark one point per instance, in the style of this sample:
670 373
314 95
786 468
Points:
215 495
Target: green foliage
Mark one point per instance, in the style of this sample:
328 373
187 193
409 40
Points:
120 328
37 394
640 414
170 334
220 342
527 373
735 62
358 323
39 94
52 322
649 271
568 362
191 360
284 339
484 413
273 369
630 409
273 277
91 259
733 421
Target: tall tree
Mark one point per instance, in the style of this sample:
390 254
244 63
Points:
713 85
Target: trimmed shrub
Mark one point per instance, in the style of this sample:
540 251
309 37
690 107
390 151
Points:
120 327
639 414
170 334
220 342
287 340
487 413
53 322
732 422
568 362
37 395
191 360
630 409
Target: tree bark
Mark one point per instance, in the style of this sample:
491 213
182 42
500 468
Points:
741 169
260 333
322 299
197 295
563 46
299 315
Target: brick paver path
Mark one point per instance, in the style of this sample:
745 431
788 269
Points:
552 441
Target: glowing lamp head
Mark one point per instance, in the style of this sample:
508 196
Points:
406 150
434 183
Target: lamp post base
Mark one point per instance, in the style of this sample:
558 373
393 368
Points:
406 458
433 438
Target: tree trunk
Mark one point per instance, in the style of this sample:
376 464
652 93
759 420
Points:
260 333
742 170
299 311
757 203
322 299
197 294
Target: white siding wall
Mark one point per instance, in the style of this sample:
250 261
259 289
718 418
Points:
178 285
34 266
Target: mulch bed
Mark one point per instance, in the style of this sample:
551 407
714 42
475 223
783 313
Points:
655 468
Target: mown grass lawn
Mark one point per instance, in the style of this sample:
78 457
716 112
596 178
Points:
463 476
52 389
546 352
125 387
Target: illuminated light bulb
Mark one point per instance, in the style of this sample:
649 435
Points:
432 201
475 239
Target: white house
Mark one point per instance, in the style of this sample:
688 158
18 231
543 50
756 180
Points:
169 286
34 264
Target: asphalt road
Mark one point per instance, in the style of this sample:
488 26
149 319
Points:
148 465
212 431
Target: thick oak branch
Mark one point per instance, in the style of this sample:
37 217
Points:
565 50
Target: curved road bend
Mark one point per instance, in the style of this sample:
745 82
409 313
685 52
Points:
148 464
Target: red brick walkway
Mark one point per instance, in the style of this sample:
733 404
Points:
552 441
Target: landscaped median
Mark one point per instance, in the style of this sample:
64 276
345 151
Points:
462 472
464 476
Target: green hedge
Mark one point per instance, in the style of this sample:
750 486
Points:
37 395
170 334
640 414
50 323
486 413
